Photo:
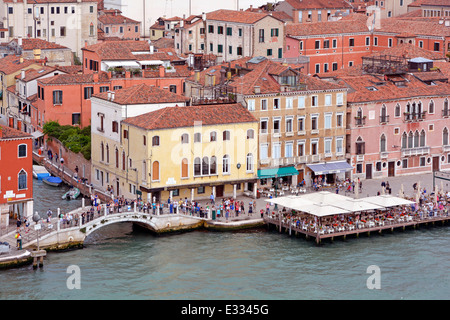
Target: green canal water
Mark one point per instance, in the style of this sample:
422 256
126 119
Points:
120 262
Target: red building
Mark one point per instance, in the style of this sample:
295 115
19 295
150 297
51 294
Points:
16 174
334 45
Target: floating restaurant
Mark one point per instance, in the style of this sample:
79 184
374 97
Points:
324 214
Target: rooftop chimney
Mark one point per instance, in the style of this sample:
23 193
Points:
161 71
22 74
257 89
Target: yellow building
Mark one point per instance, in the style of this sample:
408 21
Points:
10 67
192 152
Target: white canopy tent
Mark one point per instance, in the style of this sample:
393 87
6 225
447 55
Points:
325 203
386 200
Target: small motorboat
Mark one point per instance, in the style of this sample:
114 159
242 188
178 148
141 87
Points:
52 181
72 194
39 172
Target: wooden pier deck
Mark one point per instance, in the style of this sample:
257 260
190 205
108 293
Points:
310 232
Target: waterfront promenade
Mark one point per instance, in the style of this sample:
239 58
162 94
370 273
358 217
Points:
369 188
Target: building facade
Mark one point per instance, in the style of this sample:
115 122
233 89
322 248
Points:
231 35
194 152
112 162
16 175
70 23
397 120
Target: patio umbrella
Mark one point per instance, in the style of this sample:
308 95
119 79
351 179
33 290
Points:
322 210
357 205
388 201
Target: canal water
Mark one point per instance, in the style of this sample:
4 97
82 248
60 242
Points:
120 262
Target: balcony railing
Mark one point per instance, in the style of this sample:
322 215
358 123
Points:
414 116
360 121
417 151
384 119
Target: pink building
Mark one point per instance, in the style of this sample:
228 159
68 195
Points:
397 117
115 25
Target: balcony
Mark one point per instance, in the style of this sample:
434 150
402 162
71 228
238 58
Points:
384 119
414 116
360 121
302 159
360 158
384 155
315 158
446 148
418 151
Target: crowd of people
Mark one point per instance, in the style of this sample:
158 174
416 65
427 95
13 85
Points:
428 207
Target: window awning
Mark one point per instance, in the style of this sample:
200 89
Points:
277 172
151 62
37 134
330 167
112 64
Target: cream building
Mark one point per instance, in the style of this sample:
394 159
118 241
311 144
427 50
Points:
110 162
231 35
70 23
192 152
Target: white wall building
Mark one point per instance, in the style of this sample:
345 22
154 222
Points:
148 11
70 23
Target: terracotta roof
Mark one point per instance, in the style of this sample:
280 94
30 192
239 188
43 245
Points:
163 43
10 133
118 50
409 51
180 117
444 67
35 43
440 3
11 64
68 79
143 94
235 16
32 74
262 75
116 19
361 86
357 23
318 4
417 26
70 69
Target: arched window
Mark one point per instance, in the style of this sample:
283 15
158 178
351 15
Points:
404 140
360 146
107 153
124 160
408 108
144 171
410 140
359 113
213 165
226 164
22 178
416 139
184 168
205 166
422 138
445 111
226 135
397 110
383 143
431 107
102 151
144 140
197 167
250 134
197 137
445 137
250 162
213 136
117 158
155 171
155 141
184 138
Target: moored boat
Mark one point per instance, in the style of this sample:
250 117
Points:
52 181
72 194
39 172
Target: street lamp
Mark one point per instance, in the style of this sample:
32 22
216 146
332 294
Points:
37 227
